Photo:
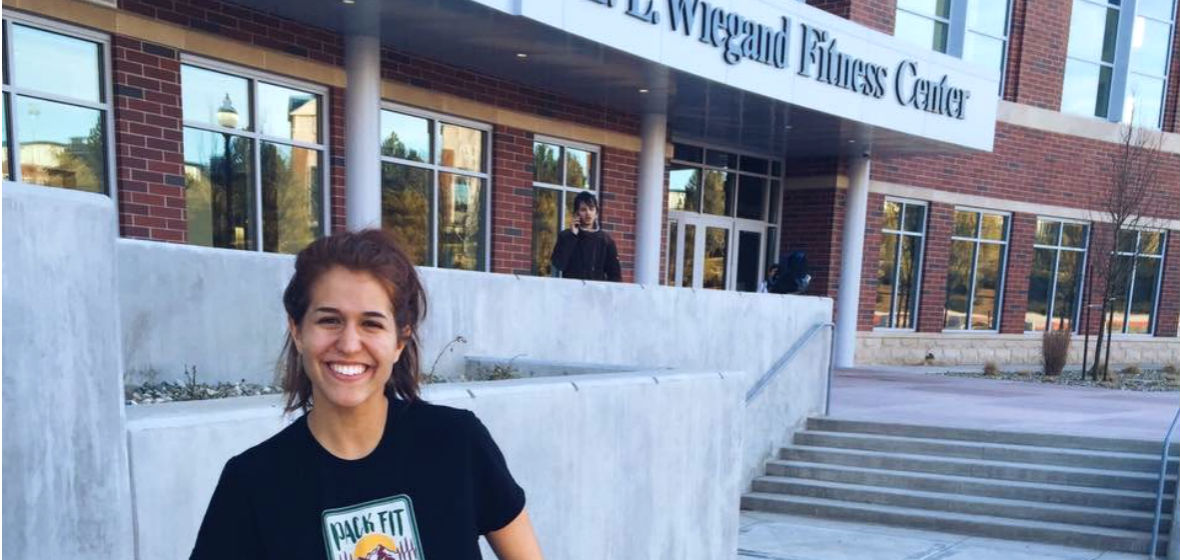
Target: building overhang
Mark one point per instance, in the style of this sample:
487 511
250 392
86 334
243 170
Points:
806 85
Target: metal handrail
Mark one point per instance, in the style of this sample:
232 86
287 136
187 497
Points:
790 355
1159 494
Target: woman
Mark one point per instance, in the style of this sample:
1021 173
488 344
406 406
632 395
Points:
369 471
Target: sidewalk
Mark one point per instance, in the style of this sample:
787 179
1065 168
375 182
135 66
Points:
909 395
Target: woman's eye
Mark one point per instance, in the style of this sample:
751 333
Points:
328 321
374 325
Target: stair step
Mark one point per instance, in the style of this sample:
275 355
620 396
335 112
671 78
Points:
1012 453
1055 474
1010 489
992 436
1102 538
958 503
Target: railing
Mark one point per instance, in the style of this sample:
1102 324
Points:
1159 494
790 355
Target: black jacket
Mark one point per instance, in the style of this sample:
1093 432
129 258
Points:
586 255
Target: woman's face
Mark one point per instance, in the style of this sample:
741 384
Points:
348 340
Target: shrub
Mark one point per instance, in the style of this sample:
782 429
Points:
991 369
1131 370
1055 351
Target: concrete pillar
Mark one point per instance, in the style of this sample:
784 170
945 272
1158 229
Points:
649 214
67 488
362 126
851 259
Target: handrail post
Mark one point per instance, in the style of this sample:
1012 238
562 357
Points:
1159 495
831 363
790 355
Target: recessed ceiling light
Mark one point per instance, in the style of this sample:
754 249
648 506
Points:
642 90
522 55
349 2
852 141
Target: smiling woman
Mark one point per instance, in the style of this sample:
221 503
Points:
370 470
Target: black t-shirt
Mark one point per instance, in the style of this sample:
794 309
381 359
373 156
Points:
433 485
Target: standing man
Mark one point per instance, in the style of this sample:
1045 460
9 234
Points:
584 251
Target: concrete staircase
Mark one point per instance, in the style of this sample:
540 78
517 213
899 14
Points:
1069 490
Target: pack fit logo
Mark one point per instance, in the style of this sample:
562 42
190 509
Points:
382 529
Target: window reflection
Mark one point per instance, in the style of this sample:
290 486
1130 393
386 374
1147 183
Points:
406 208
461 233
547 163
61 145
751 202
684 188
1055 280
883 309
958 276
204 93
4 131
406 137
716 257
54 63
288 113
1139 258
545 229
689 250
219 193
461 147
292 196
976 270
670 261
579 165
718 193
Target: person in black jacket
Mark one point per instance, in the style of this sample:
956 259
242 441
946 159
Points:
584 251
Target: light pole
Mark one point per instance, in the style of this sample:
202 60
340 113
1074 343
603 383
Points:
227 117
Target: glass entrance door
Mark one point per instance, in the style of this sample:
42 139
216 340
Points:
699 252
748 265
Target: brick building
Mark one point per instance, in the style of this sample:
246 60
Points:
944 168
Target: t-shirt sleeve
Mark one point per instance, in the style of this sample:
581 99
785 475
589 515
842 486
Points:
227 530
498 498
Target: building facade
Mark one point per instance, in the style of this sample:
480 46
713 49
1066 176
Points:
945 166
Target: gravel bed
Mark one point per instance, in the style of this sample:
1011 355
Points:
1146 380
151 393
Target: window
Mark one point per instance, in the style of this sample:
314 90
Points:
434 187
974 30
253 159
898 272
1117 62
1055 282
560 171
975 271
1139 259
56 105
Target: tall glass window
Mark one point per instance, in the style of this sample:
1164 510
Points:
926 23
1139 260
56 105
1117 64
1055 281
560 171
434 187
974 30
975 271
253 159
899 270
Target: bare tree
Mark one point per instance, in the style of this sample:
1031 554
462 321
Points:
1133 189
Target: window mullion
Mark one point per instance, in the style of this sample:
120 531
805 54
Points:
1122 61
957 28
971 282
257 163
1053 288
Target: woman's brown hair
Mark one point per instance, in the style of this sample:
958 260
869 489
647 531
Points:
373 251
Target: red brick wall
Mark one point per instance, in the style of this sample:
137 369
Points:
875 14
618 200
811 223
932 301
1036 60
512 200
871 261
239 23
337 172
1172 100
1031 166
1169 306
148 155
1017 269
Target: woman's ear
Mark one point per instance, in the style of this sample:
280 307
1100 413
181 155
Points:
293 331
403 335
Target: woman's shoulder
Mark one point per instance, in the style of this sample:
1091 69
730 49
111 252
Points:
279 448
440 416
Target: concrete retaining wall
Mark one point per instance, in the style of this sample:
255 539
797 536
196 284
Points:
66 491
628 465
907 348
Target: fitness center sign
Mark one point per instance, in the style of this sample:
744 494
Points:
739 38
